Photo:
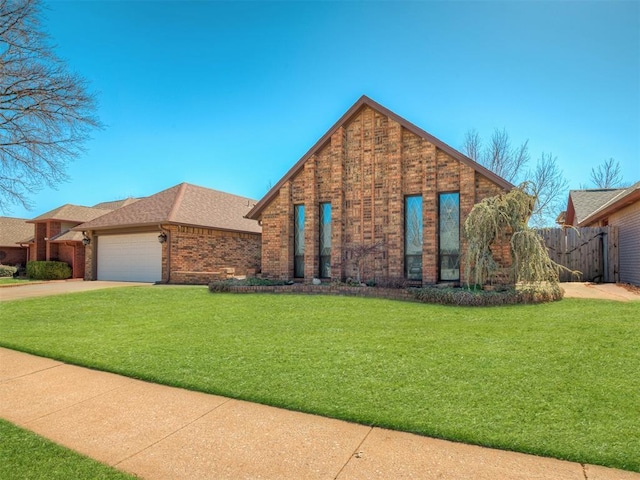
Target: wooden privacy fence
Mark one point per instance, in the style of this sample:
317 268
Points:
590 250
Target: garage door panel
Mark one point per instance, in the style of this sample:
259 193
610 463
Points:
133 257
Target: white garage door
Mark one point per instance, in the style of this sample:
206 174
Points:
135 257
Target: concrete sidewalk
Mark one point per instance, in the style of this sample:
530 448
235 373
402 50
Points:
159 432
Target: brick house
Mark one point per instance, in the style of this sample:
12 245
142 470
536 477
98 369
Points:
52 237
378 198
15 234
185 234
617 207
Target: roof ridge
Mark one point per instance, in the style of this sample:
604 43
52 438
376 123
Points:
597 189
177 202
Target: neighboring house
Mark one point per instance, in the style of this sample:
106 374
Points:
53 240
14 237
375 195
583 203
185 234
616 207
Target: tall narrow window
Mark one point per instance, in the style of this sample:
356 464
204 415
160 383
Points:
413 237
298 241
325 240
449 215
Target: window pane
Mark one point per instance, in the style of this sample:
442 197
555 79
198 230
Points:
413 237
449 236
298 241
325 240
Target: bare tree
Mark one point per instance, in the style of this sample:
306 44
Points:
502 159
498 155
549 187
472 146
46 112
607 175
546 181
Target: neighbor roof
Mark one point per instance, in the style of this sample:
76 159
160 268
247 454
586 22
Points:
365 101
71 213
184 204
623 197
116 203
13 231
67 236
582 203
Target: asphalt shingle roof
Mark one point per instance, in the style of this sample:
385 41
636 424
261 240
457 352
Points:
116 203
14 230
585 202
71 213
622 196
184 204
67 236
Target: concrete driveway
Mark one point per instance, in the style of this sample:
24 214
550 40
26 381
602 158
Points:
14 292
600 291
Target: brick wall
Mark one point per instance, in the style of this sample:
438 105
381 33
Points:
66 253
271 240
79 261
53 251
200 255
13 256
366 170
74 255
39 251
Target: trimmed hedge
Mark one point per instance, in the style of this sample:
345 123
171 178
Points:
48 270
7 271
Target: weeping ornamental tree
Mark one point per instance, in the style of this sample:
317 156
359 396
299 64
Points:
492 222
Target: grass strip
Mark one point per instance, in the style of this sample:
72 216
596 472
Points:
28 456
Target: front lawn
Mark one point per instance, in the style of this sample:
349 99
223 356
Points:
557 379
25 455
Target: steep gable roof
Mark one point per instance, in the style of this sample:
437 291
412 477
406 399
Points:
14 231
622 198
71 213
582 203
365 101
183 204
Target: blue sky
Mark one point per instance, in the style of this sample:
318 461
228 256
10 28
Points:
229 95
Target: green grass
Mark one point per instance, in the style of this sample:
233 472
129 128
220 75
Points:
11 280
558 379
27 456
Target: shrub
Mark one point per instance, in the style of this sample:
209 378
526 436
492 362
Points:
391 282
480 298
48 270
223 285
7 271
